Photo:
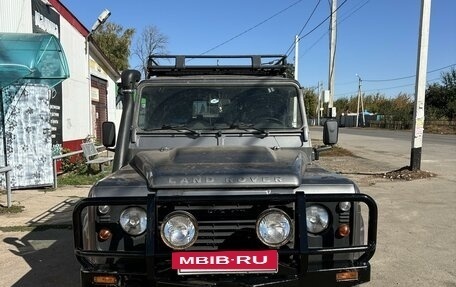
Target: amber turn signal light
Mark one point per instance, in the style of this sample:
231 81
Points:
349 275
104 234
343 230
105 279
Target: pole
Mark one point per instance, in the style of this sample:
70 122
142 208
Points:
318 104
359 97
296 61
332 54
2 111
6 169
420 86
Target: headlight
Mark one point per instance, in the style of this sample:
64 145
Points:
317 219
133 220
274 227
179 230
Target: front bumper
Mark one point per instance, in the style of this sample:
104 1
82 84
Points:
301 272
314 278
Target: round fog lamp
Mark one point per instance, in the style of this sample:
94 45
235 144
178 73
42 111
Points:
344 206
179 230
133 220
274 227
104 209
317 219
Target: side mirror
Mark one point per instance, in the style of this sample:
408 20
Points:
109 134
330 132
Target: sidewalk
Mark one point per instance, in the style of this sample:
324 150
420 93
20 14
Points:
42 206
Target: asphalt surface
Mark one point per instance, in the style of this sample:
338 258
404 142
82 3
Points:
416 230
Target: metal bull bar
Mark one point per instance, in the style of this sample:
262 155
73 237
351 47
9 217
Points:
302 249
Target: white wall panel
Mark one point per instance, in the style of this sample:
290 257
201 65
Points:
16 16
76 96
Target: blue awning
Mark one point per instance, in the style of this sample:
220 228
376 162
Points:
31 58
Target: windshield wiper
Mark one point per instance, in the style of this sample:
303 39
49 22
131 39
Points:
180 128
246 127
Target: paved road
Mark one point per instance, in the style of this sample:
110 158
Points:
400 135
416 235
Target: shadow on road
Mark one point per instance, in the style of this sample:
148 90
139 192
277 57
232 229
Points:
48 249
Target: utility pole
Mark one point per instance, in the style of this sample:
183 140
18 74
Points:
362 109
332 54
359 97
420 86
319 101
296 61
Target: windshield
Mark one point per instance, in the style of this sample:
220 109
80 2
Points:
227 107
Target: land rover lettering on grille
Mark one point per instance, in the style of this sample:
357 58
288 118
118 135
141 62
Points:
199 180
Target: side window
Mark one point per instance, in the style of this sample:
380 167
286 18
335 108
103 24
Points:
142 111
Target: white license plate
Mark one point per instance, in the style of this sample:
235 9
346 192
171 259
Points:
215 262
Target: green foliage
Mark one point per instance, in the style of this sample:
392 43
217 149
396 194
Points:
345 105
81 179
12 209
402 110
440 103
289 72
77 172
310 102
74 163
399 109
441 98
115 42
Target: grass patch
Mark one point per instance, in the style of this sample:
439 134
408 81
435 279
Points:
336 151
74 178
11 210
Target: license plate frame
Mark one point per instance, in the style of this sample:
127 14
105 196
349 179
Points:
225 262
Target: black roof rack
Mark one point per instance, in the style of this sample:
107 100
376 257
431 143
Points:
184 65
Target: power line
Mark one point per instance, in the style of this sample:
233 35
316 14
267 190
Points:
290 49
251 28
396 79
321 23
387 88
339 22
354 11
408 77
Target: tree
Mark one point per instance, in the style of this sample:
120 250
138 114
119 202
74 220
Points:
402 109
115 43
441 98
150 42
310 102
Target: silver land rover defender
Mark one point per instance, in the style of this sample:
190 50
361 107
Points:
213 185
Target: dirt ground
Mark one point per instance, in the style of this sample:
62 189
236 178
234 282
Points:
366 171
415 244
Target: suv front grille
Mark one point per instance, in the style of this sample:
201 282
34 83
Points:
224 227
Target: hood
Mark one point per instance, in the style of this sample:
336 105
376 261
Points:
220 167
